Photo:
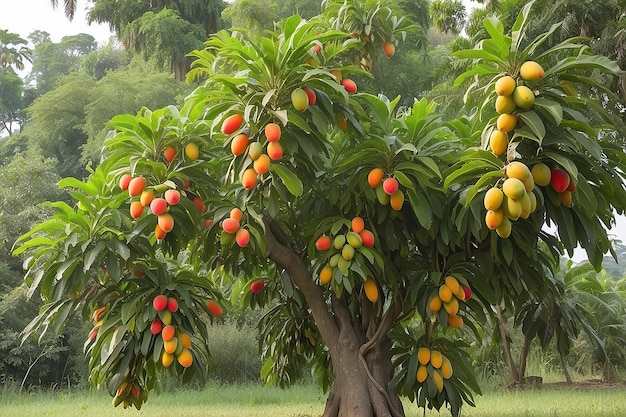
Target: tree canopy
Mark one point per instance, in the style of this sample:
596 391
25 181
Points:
369 233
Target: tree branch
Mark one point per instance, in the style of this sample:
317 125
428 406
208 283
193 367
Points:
287 258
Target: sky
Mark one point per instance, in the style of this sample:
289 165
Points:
24 16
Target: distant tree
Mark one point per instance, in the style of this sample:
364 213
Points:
98 63
448 16
13 51
11 100
53 60
56 121
163 30
252 15
28 179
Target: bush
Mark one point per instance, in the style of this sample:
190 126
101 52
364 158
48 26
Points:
235 353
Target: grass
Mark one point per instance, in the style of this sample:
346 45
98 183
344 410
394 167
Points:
307 401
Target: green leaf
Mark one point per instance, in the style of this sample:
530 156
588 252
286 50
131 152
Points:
552 110
585 62
517 31
534 122
478 69
479 54
291 181
495 28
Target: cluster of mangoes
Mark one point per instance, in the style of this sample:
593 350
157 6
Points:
158 198
558 179
510 199
259 155
130 393
433 364
176 342
387 189
448 295
342 249
512 94
232 230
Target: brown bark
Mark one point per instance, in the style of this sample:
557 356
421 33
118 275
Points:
523 358
506 344
358 348
568 378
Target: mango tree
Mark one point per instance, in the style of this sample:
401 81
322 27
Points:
356 225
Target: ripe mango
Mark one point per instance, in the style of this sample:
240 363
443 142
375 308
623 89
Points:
493 198
455 321
232 123
375 177
438 380
494 218
513 188
170 345
566 198
505 104
452 306
445 293
531 71
371 290
517 169
452 283
357 224
435 304
559 180
436 359
506 122
446 368
166 359
512 209
192 151
185 358
423 355
505 86
498 142
239 144
262 164
249 179
396 200
326 274
422 374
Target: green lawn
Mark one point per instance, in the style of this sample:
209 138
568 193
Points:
305 401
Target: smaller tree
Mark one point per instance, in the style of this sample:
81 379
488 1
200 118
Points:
13 51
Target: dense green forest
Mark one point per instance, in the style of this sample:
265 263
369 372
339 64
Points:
53 122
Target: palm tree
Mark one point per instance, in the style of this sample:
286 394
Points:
69 5
13 51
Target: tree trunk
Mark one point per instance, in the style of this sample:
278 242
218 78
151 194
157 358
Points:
568 378
506 344
523 357
358 349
